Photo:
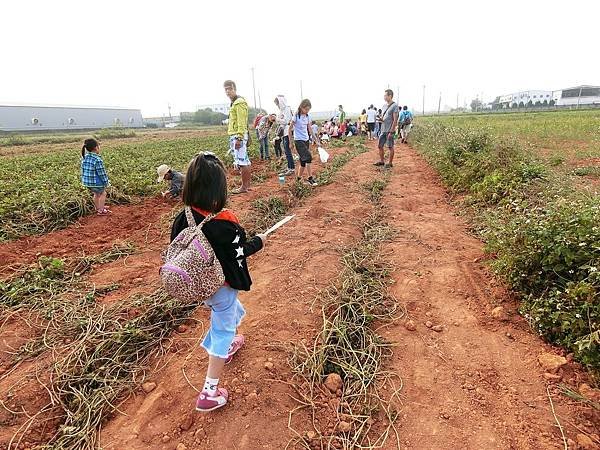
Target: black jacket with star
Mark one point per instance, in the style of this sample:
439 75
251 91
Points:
228 239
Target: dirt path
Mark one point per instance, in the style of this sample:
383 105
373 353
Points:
477 384
298 261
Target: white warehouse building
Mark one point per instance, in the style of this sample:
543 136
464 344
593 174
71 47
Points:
578 96
525 98
32 118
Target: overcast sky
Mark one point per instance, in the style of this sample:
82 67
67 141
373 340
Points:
146 54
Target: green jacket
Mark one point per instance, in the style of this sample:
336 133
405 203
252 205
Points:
238 118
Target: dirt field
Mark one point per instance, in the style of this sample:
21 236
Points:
471 375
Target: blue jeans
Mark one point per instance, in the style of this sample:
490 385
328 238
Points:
288 153
226 315
264 147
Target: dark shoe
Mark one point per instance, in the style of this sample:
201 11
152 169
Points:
378 164
389 166
312 182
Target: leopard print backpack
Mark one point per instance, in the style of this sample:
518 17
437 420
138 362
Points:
192 272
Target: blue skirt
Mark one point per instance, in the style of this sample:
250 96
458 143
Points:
226 315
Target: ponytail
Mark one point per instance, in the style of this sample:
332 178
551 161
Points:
89 145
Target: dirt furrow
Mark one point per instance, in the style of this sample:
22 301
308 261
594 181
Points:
471 378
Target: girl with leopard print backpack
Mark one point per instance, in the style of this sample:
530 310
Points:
205 195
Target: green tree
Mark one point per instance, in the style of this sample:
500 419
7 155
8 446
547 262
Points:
476 104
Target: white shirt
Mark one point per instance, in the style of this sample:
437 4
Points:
371 113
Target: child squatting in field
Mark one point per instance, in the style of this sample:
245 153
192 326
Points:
93 174
205 191
166 173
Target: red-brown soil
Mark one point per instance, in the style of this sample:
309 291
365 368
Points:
475 385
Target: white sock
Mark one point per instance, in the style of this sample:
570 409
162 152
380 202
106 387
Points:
210 386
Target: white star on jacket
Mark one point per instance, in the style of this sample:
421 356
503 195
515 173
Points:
239 250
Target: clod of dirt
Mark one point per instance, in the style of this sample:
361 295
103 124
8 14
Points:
269 365
344 427
166 438
585 443
437 328
181 446
338 393
552 376
499 313
410 325
311 435
333 382
148 386
182 328
551 362
429 324
187 423
589 392
252 397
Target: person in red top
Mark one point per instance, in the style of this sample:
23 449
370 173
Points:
205 191
343 127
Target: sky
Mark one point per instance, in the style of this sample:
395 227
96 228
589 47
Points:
149 54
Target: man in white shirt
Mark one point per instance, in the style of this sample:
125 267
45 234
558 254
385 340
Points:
371 116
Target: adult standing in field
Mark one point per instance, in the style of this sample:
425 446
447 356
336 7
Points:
362 122
341 114
389 123
237 129
283 120
406 119
371 116
264 125
378 123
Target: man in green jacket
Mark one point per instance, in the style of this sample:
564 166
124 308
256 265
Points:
237 130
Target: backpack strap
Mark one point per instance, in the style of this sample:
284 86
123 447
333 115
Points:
190 217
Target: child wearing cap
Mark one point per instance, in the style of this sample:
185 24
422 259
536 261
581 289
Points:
176 179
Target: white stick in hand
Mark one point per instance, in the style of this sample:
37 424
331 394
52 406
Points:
282 222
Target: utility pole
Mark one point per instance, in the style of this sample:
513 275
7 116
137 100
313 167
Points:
440 102
169 106
301 94
259 103
253 86
579 97
423 99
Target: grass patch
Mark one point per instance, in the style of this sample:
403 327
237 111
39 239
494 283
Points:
587 171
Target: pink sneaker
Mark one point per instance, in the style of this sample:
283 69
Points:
207 403
238 342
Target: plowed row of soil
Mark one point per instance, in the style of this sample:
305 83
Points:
476 384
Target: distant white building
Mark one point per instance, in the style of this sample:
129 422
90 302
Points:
222 108
578 95
31 118
525 98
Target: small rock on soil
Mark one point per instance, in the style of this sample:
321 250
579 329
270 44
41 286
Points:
333 382
551 362
148 386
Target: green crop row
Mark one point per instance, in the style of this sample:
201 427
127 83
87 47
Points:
43 192
543 234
